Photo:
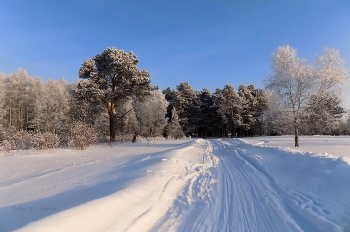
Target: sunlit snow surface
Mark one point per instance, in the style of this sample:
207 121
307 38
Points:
252 184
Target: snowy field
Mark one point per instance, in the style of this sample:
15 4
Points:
337 146
254 184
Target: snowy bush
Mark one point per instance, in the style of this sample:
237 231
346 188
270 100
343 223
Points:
11 139
173 129
158 138
127 137
141 139
43 141
82 136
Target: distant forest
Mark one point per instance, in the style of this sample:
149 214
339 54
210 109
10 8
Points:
119 103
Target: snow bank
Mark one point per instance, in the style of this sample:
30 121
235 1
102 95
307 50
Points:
337 146
315 185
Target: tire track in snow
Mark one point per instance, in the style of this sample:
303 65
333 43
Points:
227 194
191 210
248 201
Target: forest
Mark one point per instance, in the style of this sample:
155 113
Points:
114 100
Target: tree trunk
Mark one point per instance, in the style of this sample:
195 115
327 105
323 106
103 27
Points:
233 129
296 135
111 129
112 122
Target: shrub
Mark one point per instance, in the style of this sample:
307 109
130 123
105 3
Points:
82 136
46 140
11 139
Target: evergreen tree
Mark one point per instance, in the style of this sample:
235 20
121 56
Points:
173 129
208 118
248 105
261 103
170 96
111 77
185 105
229 108
276 119
322 115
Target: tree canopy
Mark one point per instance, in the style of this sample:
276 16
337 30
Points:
111 77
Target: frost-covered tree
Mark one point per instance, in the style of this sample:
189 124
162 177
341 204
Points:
130 123
322 115
186 106
36 97
82 135
16 99
309 92
324 110
173 128
84 108
126 120
344 127
291 80
111 77
331 76
151 114
53 107
276 119
261 104
41 108
2 96
249 104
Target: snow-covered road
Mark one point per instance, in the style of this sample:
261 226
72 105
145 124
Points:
199 185
249 200
245 196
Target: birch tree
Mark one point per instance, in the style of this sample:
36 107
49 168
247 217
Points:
324 110
152 114
305 89
292 80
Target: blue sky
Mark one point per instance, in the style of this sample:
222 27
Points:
207 43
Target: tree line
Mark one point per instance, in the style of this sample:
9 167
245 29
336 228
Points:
115 101
224 113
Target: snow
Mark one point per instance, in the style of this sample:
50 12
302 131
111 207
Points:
336 146
251 184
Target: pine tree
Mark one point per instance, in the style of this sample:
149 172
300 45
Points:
186 107
322 115
170 96
208 118
111 77
229 108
